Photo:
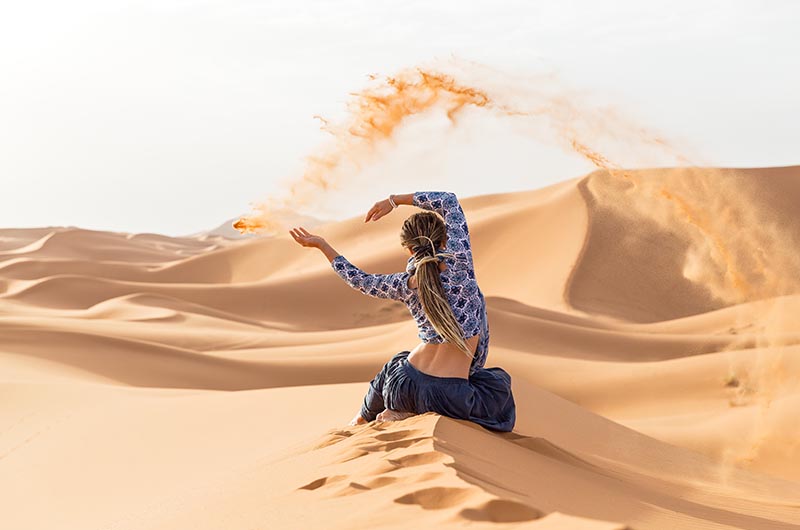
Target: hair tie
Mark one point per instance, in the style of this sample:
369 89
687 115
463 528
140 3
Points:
437 256
433 247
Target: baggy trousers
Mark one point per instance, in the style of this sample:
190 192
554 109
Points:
485 398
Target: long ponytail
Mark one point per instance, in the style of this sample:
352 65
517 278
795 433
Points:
429 284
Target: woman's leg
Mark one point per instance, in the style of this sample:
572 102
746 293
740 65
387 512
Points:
373 400
373 403
399 391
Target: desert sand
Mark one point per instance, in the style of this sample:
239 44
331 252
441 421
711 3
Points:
151 382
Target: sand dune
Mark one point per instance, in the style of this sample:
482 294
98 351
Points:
206 382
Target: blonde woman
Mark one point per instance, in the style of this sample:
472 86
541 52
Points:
444 373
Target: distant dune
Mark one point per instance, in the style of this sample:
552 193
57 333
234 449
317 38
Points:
649 320
227 230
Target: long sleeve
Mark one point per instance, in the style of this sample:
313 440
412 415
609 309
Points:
393 286
446 204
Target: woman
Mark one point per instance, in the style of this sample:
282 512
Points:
445 373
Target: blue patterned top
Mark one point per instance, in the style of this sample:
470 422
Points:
458 279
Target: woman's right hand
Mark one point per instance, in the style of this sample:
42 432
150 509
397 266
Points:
378 210
306 238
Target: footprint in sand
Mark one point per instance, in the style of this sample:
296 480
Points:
418 459
436 498
501 511
333 437
377 482
397 444
318 483
394 435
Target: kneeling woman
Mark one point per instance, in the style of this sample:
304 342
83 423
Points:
445 373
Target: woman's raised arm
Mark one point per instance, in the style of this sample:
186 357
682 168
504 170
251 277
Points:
393 286
446 204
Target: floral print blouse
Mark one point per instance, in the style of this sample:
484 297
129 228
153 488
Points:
458 279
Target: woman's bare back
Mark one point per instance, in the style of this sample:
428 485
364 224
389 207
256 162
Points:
441 359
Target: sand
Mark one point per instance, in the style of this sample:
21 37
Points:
650 330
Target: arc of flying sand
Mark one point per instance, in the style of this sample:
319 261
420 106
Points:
376 113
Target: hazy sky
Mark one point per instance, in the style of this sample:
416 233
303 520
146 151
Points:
172 116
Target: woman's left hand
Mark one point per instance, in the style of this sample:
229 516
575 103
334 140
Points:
306 238
378 210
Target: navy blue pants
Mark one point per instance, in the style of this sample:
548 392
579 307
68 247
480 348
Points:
485 398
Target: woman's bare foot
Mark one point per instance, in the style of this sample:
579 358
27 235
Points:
357 420
393 415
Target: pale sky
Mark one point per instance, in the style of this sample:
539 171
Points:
172 116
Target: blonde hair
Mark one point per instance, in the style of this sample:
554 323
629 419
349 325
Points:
429 226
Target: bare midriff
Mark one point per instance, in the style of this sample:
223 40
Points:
441 359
